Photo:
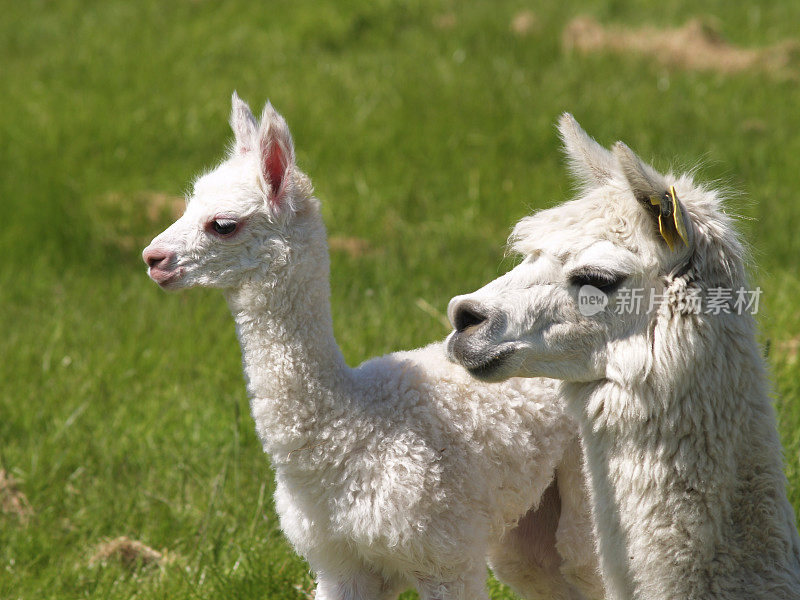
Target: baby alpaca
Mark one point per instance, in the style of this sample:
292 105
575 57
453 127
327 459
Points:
404 471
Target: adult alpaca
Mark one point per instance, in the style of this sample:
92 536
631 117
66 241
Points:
676 420
403 471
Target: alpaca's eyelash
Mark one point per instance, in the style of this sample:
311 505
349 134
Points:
222 227
603 280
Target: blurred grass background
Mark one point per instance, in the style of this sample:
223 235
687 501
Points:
428 130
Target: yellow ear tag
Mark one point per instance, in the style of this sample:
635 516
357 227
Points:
670 218
677 216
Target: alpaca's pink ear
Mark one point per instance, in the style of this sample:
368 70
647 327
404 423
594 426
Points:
243 124
276 153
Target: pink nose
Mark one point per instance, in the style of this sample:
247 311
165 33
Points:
163 265
158 258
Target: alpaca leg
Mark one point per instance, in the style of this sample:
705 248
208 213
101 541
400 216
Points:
575 539
469 586
526 558
392 588
358 585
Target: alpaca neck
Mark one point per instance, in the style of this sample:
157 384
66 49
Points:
288 344
291 360
668 459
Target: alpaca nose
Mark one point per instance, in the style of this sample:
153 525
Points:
478 332
158 258
467 315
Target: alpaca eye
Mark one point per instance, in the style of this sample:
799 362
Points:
604 281
223 226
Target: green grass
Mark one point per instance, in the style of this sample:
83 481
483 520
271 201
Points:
123 409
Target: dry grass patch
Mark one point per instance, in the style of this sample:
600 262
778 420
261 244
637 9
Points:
353 246
152 206
695 46
523 23
754 126
788 350
12 500
130 553
130 220
445 21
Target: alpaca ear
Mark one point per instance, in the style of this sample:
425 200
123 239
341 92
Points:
276 153
659 199
643 179
244 125
588 160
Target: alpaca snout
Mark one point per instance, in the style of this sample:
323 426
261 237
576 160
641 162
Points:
161 264
477 330
467 315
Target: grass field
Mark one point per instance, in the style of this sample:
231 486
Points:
428 130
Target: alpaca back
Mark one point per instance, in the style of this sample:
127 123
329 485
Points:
499 434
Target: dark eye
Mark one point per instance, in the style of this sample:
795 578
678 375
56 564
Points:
223 226
603 280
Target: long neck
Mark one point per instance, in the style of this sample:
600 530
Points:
669 459
291 361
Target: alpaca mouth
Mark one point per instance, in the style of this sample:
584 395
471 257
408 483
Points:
483 360
165 278
494 369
